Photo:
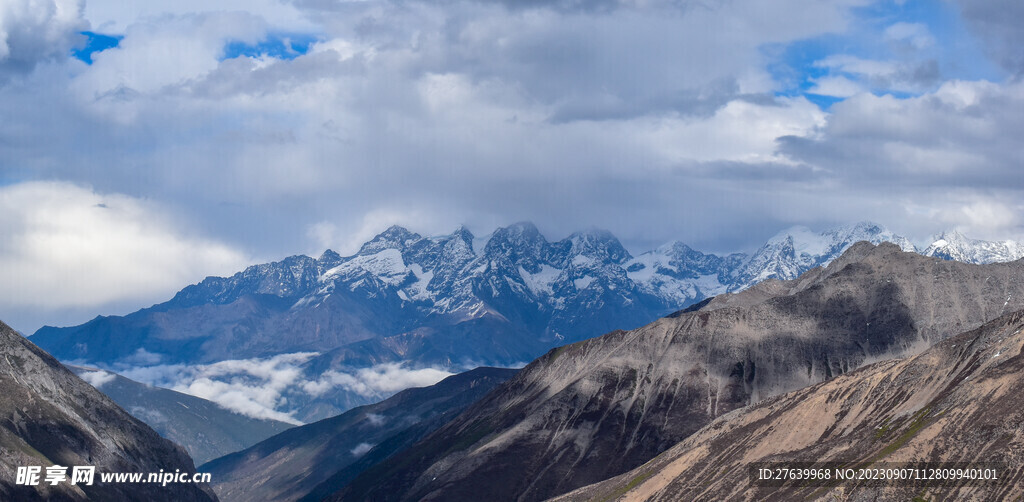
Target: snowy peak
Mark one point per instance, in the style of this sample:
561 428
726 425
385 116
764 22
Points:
329 258
677 260
465 236
520 243
952 245
844 237
394 237
522 276
798 249
598 245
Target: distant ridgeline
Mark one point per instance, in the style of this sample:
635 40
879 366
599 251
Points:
452 301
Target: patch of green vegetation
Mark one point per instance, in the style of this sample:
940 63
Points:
633 483
919 422
921 496
883 430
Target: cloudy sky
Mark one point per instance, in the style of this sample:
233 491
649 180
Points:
145 145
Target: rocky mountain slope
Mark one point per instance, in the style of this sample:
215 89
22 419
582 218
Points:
957 402
594 409
49 416
203 428
321 456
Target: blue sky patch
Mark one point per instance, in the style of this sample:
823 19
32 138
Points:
95 42
919 61
280 46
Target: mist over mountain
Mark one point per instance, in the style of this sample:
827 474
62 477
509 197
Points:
314 460
597 408
205 429
408 303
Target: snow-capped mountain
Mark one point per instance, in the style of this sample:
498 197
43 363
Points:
403 293
797 249
953 245
450 301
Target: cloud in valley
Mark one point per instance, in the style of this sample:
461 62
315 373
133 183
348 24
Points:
97 378
261 387
381 379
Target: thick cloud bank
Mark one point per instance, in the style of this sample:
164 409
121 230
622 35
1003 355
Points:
283 127
67 245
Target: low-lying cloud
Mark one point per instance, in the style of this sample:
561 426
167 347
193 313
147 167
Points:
386 378
97 378
269 388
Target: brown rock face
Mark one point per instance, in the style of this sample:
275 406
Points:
957 402
50 416
595 409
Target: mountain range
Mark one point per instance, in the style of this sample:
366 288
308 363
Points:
451 302
595 409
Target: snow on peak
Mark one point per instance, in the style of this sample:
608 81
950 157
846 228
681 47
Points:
386 265
519 239
598 244
798 249
395 237
803 240
953 245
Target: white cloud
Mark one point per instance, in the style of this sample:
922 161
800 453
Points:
66 245
252 387
361 449
944 159
837 86
116 16
380 380
742 131
852 64
847 72
165 53
916 34
35 30
97 378
259 387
